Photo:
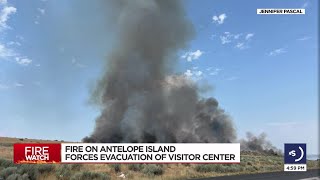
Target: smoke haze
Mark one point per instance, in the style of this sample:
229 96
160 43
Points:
258 144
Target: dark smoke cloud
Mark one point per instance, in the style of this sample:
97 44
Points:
258 144
140 99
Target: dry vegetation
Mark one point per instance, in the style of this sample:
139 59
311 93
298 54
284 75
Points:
250 163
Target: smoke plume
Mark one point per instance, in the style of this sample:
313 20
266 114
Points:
141 99
258 144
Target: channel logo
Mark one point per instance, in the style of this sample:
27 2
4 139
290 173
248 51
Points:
295 157
36 153
295 153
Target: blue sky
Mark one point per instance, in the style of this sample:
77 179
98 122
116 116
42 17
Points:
262 68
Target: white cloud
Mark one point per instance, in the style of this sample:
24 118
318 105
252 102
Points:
219 19
198 73
277 52
13 43
18 84
240 45
23 61
195 67
19 37
75 62
249 36
304 38
36 22
244 45
42 11
37 65
226 38
232 78
237 36
190 56
194 74
6 52
188 73
215 71
6 49
305 5
3 1
5 14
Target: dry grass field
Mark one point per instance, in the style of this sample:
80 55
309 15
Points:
250 163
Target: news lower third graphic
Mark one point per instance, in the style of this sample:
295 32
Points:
295 157
36 153
214 153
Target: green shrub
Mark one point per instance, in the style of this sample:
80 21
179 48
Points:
135 167
30 169
232 168
14 177
75 167
270 161
270 168
5 173
204 168
45 168
6 163
252 168
18 177
6 144
313 164
129 175
209 168
63 172
89 175
116 167
218 168
153 169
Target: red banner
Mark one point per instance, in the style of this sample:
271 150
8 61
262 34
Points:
36 153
